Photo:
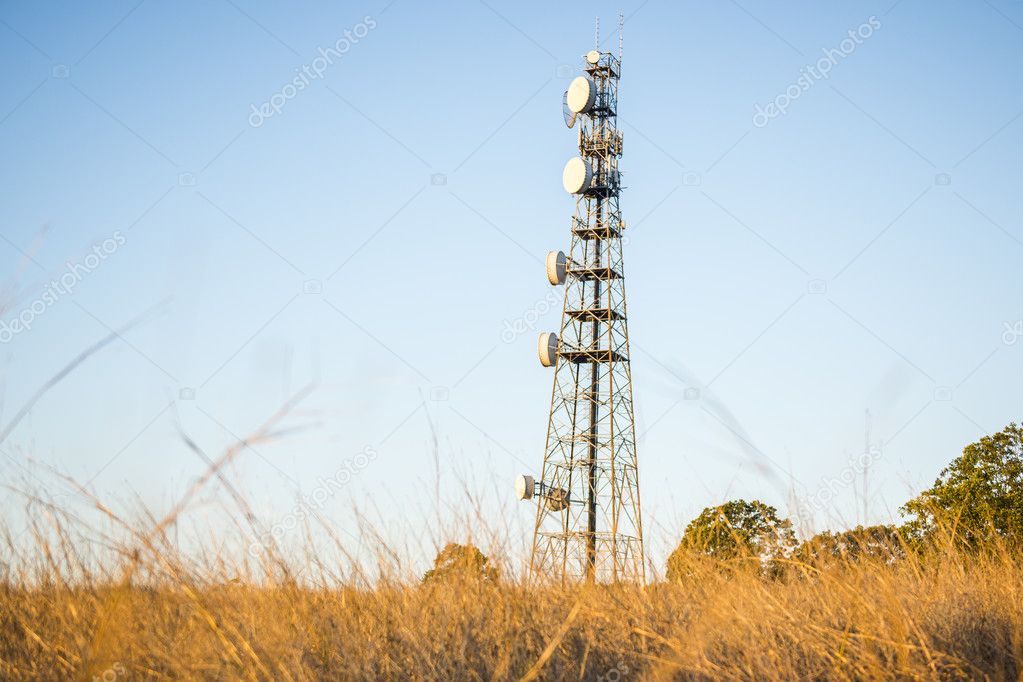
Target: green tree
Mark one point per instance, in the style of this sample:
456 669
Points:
882 543
461 562
976 498
738 532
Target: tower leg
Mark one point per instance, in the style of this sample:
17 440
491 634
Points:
591 536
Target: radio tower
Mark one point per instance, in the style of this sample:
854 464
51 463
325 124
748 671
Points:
588 523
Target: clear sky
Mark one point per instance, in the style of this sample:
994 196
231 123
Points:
378 233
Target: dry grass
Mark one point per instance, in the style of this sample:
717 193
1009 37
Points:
158 615
108 599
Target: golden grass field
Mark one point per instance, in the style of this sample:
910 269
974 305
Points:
160 616
87 594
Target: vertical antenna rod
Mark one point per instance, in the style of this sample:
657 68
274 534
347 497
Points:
621 25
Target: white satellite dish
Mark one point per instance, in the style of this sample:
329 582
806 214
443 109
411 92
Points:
525 486
547 348
557 499
577 176
557 267
566 112
582 92
593 56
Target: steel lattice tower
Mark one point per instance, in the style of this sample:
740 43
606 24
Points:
588 524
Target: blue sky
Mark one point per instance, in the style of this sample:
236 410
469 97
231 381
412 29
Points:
859 252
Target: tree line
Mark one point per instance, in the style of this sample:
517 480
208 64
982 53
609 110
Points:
976 502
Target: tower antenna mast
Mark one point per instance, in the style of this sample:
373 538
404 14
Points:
588 522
